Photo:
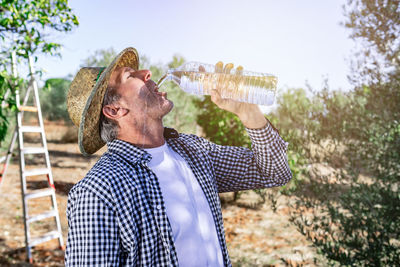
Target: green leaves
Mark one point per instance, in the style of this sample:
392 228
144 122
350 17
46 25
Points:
350 221
100 58
220 126
54 99
7 83
29 25
353 218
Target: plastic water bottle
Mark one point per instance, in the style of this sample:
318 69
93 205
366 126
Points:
238 84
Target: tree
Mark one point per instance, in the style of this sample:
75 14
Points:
27 27
356 220
6 82
53 96
220 126
375 25
100 58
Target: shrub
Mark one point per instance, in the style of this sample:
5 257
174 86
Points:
53 99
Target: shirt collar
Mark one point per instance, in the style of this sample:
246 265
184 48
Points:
128 151
132 153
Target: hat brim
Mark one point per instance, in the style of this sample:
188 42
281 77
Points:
89 131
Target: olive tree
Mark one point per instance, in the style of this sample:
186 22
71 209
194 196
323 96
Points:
28 28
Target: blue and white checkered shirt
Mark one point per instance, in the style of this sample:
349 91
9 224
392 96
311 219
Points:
117 215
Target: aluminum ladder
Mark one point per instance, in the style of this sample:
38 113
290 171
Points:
24 173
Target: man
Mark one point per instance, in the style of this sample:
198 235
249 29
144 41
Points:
152 198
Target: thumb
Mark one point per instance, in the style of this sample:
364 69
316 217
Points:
218 100
216 97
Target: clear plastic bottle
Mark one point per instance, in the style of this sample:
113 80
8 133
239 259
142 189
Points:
238 84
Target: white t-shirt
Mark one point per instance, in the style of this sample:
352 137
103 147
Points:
188 211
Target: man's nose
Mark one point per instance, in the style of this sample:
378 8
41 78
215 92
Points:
145 75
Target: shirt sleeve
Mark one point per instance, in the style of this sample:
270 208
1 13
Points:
93 238
265 165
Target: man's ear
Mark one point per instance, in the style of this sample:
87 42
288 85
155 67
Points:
113 112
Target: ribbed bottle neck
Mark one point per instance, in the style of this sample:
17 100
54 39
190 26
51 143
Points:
169 76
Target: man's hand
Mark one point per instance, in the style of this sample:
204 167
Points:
250 114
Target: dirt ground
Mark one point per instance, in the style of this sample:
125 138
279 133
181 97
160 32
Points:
255 237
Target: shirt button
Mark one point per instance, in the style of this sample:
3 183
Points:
158 207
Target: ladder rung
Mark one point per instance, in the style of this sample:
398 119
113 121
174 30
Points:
46 237
34 172
44 215
33 150
28 108
23 108
39 193
30 129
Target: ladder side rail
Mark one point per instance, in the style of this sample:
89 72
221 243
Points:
40 118
20 115
28 91
14 138
21 160
39 113
44 142
26 98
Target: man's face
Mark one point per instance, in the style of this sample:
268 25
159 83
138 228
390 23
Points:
139 94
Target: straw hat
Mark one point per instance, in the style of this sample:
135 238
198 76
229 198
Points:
85 99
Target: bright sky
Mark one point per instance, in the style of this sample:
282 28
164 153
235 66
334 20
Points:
298 41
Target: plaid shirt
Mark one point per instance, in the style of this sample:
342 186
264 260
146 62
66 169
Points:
117 216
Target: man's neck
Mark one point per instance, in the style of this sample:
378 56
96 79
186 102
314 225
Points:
146 136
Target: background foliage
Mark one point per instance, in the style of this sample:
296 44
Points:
53 99
351 214
28 28
353 219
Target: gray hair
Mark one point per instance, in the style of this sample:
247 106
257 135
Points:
108 127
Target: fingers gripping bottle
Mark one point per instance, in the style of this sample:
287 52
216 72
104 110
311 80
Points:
238 84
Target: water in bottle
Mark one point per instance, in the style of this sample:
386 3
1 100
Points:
238 84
